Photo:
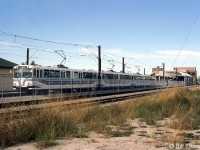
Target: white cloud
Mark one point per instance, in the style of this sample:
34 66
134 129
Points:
174 52
161 54
116 53
9 44
155 57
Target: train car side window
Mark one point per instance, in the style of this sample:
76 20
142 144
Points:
127 77
54 73
34 73
51 73
80 75
95 76
67 74
63 74
87 75
41 73
57 74
108 76
75 75
84 75
115 76
46 74
38 73
103 76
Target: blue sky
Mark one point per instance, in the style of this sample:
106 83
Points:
146 32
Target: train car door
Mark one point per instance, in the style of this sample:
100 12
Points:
80 75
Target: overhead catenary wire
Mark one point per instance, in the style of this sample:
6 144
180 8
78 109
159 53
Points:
25 56
186 38
24 46
69 54
130 58
91 48
88 47
42 40
187 58
190 54
40 58
48 50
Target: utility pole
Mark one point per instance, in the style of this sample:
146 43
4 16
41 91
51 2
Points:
144 71
99 66
176 74
27 56
123 65
163 71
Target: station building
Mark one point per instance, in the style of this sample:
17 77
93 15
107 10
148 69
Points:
189 70
6 75
174 75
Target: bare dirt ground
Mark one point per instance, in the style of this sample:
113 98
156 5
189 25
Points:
96 143
144 137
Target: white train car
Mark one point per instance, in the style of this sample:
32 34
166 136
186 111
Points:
116 79
28 77
46 78
143 80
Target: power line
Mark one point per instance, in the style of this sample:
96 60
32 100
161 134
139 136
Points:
42 40
130 58
33 47
70 54
88 47
21 45
55 42
25 56
190 54
187 58
186 38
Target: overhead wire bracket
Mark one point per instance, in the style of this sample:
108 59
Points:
62 54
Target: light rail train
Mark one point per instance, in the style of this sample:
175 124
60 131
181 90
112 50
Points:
43 78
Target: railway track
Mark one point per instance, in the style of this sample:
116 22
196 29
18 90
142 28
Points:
19 108
38 99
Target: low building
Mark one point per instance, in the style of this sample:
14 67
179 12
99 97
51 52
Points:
158 68
189 70
173 76
6 75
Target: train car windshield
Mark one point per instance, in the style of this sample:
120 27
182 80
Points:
18 73
27 75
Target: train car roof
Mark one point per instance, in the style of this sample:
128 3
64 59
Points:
56 68
112 72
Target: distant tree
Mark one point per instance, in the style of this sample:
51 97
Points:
33 63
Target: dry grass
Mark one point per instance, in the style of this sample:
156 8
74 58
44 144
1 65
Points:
45 126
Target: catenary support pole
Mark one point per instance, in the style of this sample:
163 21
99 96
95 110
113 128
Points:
123 65
163 71
27 56
99 66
